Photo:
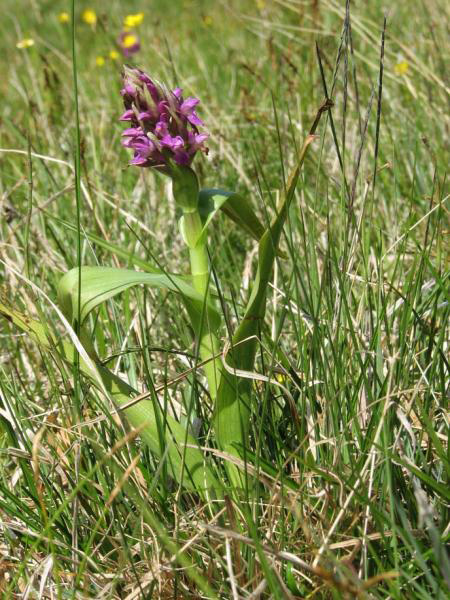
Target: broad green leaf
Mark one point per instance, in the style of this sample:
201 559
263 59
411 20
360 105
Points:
233 399
235 206
183 455
99 284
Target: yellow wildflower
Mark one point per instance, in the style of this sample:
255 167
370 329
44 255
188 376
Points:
113 55
99 61
261 4
133 20
89 16
63 17
401 68
26 43
129 40
208 20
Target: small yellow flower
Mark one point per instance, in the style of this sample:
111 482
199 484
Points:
261 4
89 16
113 55
63 17
99 61
26 43
133 20
401 68
129 40
208 20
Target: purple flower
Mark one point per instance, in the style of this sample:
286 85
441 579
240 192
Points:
129 43
187 109
163 127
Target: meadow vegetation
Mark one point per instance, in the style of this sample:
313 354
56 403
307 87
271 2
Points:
340 487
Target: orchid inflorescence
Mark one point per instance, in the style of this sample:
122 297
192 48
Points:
164 126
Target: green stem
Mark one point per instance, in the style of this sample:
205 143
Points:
206 338
197 252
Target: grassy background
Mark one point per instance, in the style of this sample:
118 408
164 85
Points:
348 465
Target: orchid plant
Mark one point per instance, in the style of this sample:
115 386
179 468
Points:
165 134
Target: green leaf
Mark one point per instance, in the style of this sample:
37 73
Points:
238 208
233 398
184 457
99 284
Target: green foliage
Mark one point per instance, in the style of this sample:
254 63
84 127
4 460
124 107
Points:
99 284
344 462
234 401
171 442
236 206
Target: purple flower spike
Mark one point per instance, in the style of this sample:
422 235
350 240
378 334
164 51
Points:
163 126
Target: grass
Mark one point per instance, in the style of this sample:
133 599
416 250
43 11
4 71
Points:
347 458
